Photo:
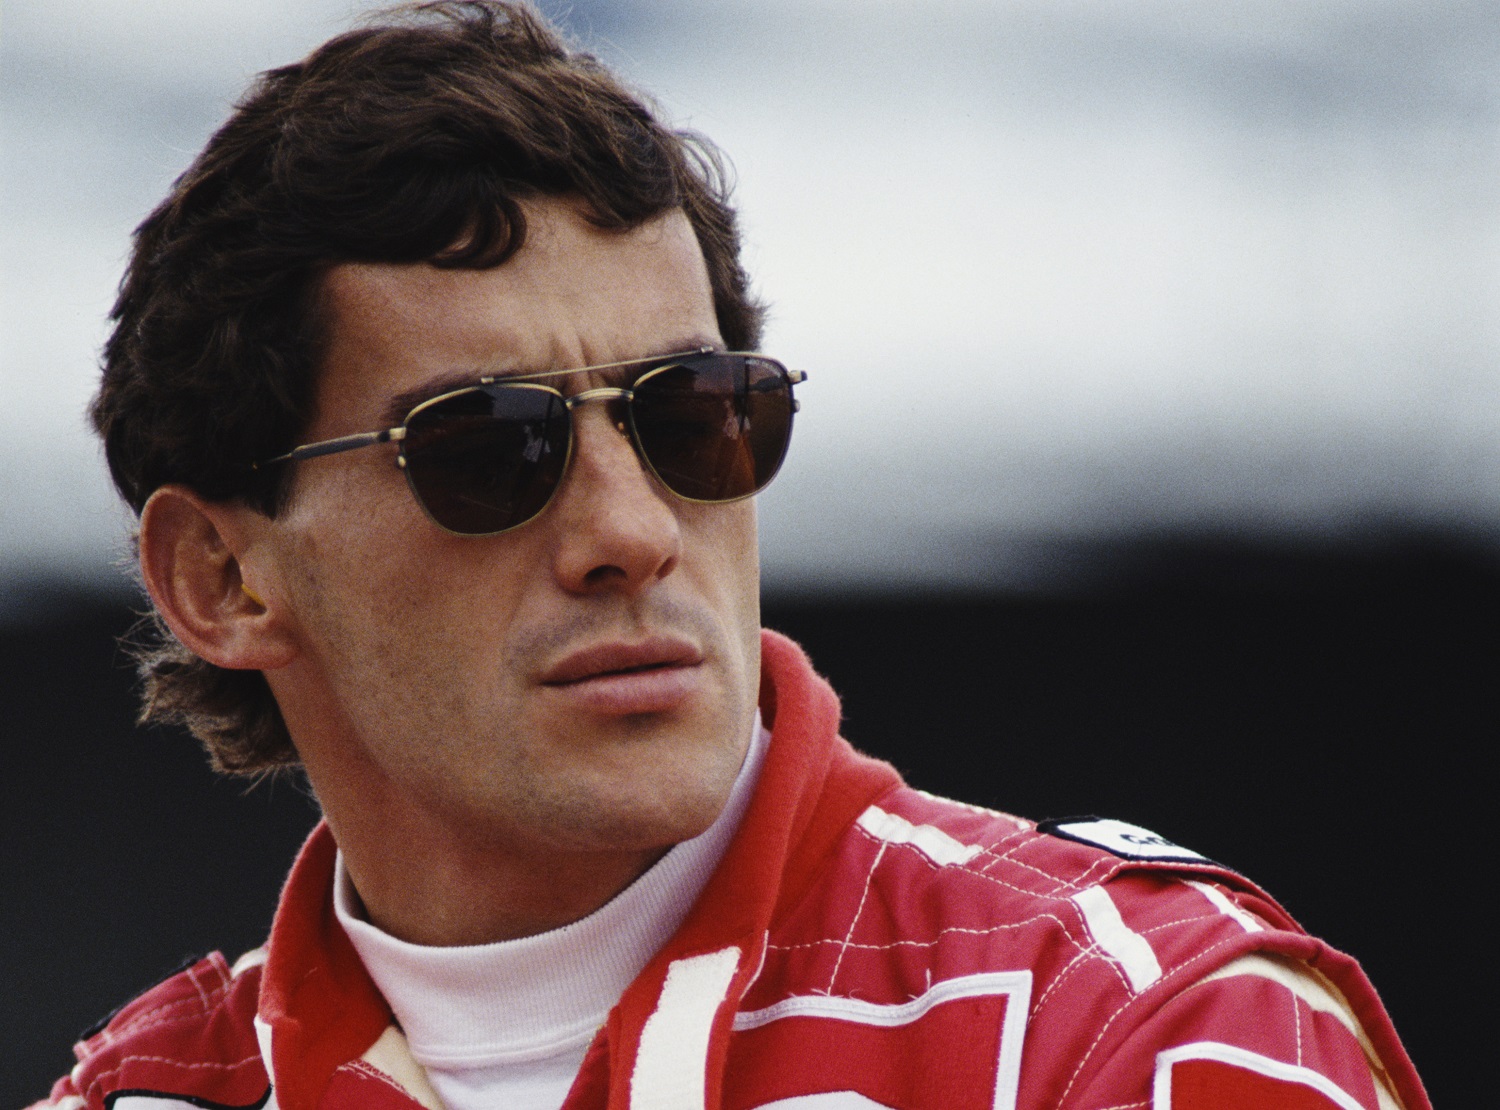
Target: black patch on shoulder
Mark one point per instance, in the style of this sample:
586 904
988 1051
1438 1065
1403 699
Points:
1120 838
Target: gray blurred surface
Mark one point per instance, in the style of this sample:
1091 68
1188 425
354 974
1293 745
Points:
1059 270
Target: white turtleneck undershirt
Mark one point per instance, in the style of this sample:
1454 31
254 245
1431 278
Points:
508 1024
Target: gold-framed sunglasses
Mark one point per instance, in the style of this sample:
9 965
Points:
711 426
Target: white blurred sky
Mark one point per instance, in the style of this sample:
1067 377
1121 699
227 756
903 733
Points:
1058 269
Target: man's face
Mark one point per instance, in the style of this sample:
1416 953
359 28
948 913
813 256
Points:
584 682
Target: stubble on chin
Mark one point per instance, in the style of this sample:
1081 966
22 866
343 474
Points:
635 785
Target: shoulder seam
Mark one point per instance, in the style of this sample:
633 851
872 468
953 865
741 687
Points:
1164 988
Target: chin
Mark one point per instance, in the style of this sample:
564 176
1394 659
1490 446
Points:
643 820
651 827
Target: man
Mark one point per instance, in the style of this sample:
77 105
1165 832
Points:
427 383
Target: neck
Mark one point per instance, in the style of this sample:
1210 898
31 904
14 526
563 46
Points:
474 858
438 878
445 894
442 879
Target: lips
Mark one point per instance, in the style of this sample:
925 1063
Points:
615 659
655 676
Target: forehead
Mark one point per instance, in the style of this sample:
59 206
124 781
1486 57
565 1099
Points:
573 295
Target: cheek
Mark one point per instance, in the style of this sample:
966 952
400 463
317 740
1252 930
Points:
377 584
407 640
728 557
722 540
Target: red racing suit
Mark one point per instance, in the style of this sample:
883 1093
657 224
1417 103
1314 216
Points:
861 945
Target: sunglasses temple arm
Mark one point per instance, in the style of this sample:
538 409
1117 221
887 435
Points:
334 446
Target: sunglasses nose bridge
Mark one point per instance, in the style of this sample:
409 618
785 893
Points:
603 393
616 398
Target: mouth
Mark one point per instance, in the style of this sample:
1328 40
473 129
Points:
621 660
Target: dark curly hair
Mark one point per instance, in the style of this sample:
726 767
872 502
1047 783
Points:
411 139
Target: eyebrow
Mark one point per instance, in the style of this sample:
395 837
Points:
400 405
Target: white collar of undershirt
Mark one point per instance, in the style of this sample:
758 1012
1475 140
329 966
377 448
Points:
527 999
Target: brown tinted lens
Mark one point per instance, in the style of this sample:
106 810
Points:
488 458
714 427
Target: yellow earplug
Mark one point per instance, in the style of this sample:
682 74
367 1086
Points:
251 594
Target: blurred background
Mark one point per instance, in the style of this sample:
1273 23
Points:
1149 465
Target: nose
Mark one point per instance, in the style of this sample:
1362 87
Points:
616 528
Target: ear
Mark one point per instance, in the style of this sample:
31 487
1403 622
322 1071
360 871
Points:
191 551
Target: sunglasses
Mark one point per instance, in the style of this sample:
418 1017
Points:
711 426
